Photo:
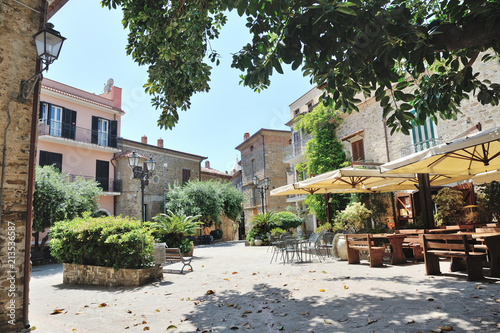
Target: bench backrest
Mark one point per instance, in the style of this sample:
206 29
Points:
488 229
448 242
410 231
359 240
173 253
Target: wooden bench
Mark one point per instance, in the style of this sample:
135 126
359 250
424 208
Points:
412 242
174 254
458 247
363 242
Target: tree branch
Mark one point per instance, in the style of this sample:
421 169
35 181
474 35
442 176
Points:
451 37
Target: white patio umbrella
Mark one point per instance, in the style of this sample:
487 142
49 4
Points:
412 183
293 189
486 177
465 156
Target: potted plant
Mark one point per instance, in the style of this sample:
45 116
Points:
258 240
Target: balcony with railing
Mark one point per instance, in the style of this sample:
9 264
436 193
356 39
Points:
57 130
422 145
294 152
107 184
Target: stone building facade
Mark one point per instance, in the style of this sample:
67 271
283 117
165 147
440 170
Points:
262 156
180 168
366 138
18 61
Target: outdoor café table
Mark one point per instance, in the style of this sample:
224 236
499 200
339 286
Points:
492 242
396 241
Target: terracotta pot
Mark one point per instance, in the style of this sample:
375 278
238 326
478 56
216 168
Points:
258 242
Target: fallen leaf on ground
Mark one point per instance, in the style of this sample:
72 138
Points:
372 321
234 273
478 287
102 305
229 304
144 322
312 271
235 328
171 328
323 290
57 311
411 322
146 328
497 300
446 328
226 279
345 287
328 322
254 273
32 328
430 299
210 292
324 272
157 310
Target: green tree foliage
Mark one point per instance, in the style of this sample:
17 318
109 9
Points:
260 224
489 200
354 216
209 199
380 47
450 206
105 241
287 221
56 198
323 153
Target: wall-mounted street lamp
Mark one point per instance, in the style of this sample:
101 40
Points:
142 174
266 184
48 44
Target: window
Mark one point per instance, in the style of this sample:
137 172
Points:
310 106
55 121
49 158
296 113
358 150
104 131
186 174
61 121
102 174
253 167
423 136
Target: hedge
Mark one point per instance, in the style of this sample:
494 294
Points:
104 241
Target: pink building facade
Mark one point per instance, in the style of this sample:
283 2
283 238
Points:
78 132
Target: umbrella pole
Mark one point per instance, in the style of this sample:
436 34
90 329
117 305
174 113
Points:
426 208
327 207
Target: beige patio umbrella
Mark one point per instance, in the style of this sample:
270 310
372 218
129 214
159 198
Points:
465 156
486 177
353 179
293 189
412 183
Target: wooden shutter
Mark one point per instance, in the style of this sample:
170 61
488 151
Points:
358 150
113 133
95 125
49 158
68 124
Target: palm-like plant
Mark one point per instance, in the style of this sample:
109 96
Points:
171 228
261 224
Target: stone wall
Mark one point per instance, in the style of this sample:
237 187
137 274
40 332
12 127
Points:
18 24
109 277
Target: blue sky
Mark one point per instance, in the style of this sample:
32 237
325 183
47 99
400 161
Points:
95 51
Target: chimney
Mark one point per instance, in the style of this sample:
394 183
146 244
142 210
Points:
207 164
246 136
160 142
144 139
116 96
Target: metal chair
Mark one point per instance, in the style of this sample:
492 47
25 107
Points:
293 248
327 243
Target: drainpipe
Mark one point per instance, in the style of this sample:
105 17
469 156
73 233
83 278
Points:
264 160
394 216
31 181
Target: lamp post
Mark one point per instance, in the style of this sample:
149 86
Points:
266 183
48 44
143 175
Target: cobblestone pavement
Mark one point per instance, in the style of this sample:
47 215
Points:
235 288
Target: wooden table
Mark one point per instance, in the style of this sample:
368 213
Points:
492 242
396 241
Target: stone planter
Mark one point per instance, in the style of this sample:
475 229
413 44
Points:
109 277
258 242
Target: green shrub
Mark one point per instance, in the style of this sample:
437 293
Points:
261 224
216 234
185 245
277 232
353 216
286 221
450 206
104 241
336 228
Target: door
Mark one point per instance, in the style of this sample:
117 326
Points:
102 132
102 174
